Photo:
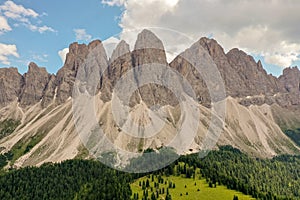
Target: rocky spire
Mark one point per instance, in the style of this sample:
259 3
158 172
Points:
148 49
121 50
35 81
119 64
76 58
10 85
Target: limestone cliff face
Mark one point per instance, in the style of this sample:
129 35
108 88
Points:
243 77
148 49
290 80
34 83
238 67
67 74
83 62
49 91
10 85
252 74
149 53
119 64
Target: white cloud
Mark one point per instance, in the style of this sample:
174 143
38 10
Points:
7 50
113 2
4 27
22 16
40 29
285 56
63 54
267 28
14 11
82 35
41 58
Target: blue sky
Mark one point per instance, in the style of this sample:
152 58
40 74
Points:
35 30
99 21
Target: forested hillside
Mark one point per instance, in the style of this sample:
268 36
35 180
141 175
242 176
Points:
276 178
73 179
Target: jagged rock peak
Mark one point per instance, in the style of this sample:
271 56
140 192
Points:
148 49
96 51
237 52
35 81
148 40
239 57
34 68
121 49
259 64
94 44
289 70
76 48
212 46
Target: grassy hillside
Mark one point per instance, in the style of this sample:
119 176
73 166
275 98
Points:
180 187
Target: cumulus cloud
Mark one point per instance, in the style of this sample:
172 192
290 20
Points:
15 11
20 15
63 54
4 27
267 28
7 50
82 35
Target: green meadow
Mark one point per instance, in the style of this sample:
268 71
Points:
180 187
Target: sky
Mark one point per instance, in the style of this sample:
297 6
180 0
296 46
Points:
41 31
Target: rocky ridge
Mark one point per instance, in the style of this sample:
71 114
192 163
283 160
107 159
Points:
255 85
43 101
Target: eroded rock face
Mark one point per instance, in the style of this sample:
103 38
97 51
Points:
247 80
10 85
49 92
238 67
34 84
243 77
67 74
290 80
148 49
119 64
84 58
149 53
252 74
229 74
185 66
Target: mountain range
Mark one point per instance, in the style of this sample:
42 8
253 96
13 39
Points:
262 111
